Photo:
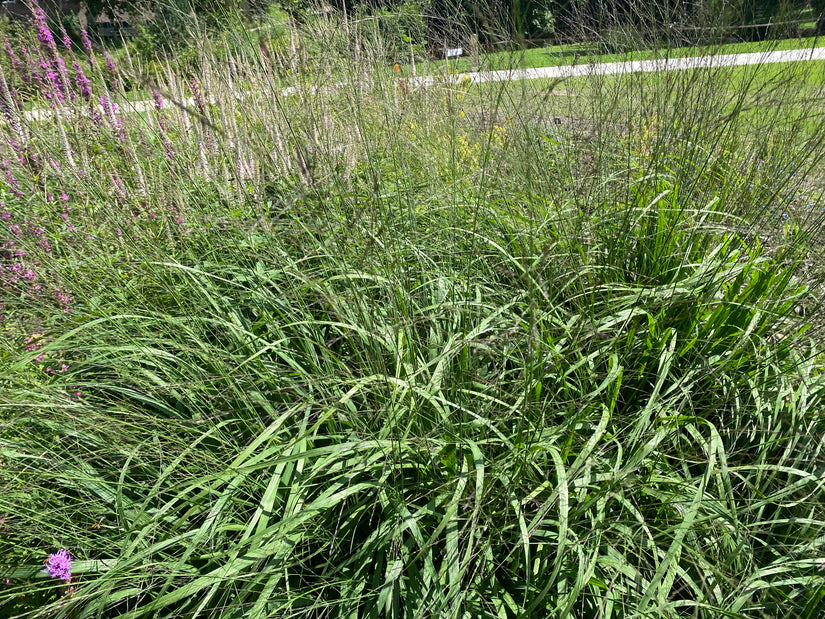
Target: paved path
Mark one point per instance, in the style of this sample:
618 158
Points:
632 66
562 72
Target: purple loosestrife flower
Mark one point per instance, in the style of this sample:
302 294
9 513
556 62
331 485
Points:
86 41
59 566
15 61
43 241
96 119
64 299
64 76
119 186
158 100
83 83
44 35
48 80
37 77
24 51
108 108
26 158
111 68
115 121
170 152
12 183
158 107
196 95
67 42
54 79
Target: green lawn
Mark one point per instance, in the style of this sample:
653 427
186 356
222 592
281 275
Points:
558 55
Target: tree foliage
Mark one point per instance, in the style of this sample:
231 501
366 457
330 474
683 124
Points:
499 20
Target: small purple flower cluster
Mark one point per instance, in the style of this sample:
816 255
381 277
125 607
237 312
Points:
195 87
52 64
59 565
34 343
163 128
46 69
158 101
113 117
111 69
44 35
15 61
65 301
81 101
83 83
87 42
12 183
19 264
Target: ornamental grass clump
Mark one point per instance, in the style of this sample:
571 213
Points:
322 343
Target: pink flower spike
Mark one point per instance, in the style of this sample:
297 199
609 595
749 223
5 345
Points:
87 42
84 85
44 35
157 99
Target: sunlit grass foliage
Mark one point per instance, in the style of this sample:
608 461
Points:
297 338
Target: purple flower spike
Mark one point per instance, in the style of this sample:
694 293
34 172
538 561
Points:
157 99
196 95
111 69
59 565
54 80
67 42
15 61
87 42
44 35
159 106
82 82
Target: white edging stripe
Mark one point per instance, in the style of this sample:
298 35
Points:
631 66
